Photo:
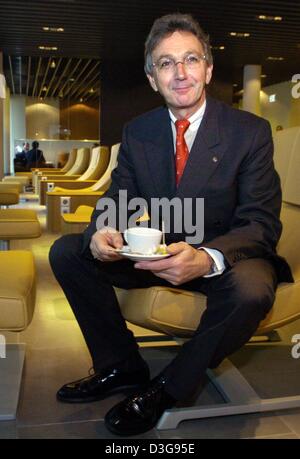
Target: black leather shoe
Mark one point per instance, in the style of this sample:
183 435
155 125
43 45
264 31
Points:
102 385
140 412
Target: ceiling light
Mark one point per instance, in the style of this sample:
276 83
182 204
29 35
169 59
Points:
235 85
53 65
221 47
263 17
91 90
240 34
72 79
48 48
263 76
53 29
44 88
274 58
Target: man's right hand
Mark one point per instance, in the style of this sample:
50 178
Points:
104 242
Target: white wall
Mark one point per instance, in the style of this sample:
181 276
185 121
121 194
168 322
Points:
8 163
17 121
285 111
42 118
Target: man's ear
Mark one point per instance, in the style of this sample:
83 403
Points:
208 75
152 82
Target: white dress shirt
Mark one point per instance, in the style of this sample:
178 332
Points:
190 135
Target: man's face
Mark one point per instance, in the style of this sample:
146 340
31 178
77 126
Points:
182 88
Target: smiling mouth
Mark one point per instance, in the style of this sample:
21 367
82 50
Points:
184 89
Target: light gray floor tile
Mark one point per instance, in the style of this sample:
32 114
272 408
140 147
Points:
8 430
234 427
279 437
270 369
75 430
292 419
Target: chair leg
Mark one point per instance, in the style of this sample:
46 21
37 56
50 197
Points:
239 397
11 367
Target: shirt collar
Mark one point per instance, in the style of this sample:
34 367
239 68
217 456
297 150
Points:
195 118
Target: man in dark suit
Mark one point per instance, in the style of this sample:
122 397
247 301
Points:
35 157
196 147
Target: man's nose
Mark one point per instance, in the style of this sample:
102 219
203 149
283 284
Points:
180 70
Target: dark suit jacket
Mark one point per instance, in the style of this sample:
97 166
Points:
230 165
35 158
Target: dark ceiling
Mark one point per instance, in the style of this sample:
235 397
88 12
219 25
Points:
96 31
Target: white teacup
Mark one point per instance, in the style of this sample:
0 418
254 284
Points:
143 240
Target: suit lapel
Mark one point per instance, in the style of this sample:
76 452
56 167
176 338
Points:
205 154
160 156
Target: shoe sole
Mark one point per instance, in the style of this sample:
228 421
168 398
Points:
126 389
128 433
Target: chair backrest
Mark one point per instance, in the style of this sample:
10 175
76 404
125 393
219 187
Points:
81 163
98 164
71 160
62 159
289 244
104 181
287 156
291 192
284 148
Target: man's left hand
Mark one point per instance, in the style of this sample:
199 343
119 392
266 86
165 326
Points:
185 264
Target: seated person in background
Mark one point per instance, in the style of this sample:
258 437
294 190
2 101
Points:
35 157
20 161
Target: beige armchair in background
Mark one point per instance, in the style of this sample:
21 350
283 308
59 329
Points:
98 165
79 167
87 196
49 171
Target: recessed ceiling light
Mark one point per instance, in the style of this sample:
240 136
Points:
53 65
240 34
221 47
91 90
53 29
48 48
274 58
263 17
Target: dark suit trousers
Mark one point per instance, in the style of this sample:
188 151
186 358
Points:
236 302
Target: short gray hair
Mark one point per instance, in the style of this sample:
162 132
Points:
168 24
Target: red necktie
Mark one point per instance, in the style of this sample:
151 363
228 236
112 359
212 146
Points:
182 151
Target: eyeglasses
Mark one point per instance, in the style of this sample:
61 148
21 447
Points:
168 64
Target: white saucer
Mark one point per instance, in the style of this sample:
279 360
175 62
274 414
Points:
134 256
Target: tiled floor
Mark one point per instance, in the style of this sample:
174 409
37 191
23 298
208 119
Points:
56 353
